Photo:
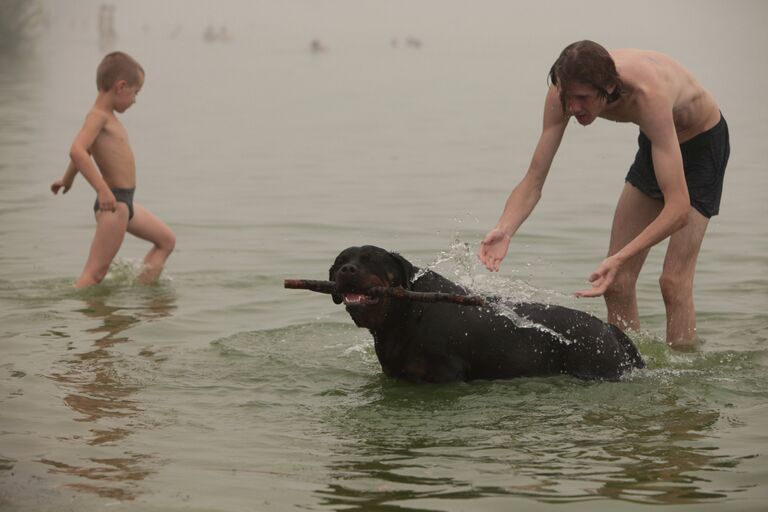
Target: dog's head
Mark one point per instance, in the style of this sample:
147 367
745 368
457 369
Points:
358 268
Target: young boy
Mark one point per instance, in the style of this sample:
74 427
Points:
119 79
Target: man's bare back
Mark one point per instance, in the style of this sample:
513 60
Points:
694 109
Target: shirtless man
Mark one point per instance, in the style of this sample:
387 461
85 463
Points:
119 79
673 186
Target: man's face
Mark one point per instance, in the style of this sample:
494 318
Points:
583 103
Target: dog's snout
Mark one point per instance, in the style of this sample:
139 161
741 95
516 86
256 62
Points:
349 269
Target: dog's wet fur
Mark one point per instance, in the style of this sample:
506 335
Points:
444 342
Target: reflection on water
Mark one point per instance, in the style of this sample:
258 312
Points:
457 444
663 461
100 395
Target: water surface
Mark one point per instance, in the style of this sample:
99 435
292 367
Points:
216 389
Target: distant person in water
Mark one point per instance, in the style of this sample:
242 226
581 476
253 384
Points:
672 188
317 46
113 175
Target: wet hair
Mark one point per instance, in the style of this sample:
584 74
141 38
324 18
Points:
118 66
589 63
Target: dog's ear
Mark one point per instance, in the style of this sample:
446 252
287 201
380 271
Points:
337 299
407 270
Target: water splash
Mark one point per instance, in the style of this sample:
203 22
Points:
460 263
122 272
126 272
506 310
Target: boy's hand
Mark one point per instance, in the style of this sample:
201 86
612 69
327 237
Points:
493 248
107 201
59 184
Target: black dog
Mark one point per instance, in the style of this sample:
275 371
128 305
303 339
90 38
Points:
442 342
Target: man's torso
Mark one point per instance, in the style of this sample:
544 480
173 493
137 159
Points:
694 109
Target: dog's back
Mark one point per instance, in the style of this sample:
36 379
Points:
546 338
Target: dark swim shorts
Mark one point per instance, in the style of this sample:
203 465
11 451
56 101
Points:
704 159
122 195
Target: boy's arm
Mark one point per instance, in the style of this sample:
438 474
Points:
527 193
80 153
65 182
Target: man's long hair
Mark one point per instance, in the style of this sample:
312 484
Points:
589 63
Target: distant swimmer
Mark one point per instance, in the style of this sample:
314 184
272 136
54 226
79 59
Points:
220 35
672 189
413 42
104 140
317 46
210 34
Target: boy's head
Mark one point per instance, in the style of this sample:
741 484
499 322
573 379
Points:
586 62
117 66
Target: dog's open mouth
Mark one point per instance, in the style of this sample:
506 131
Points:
358 299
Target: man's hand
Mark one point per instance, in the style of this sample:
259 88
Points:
58 185
602 278
493 248
107 201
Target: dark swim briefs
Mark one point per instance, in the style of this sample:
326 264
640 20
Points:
122 195
704 159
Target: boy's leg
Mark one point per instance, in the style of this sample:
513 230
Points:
110 232
634 212
147 226
677 279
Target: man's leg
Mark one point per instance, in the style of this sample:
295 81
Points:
147 226
634 212
677 280
110 232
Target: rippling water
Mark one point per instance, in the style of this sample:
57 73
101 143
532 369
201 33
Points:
216 389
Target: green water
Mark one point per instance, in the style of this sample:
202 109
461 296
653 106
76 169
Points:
218 390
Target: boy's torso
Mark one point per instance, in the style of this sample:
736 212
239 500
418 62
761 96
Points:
112 152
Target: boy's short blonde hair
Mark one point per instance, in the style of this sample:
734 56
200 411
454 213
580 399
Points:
118 66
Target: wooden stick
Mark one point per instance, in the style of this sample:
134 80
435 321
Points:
392 292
